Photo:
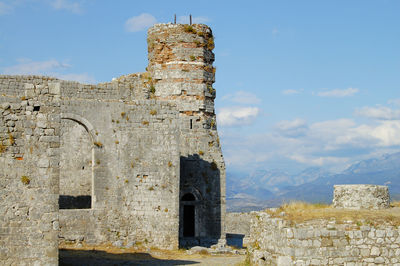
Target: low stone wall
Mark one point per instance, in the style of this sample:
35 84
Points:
274 241
237 228
361 197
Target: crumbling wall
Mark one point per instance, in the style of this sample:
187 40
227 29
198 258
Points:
134 146
275 241
29 171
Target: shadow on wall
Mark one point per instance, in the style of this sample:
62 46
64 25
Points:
97 258
200 202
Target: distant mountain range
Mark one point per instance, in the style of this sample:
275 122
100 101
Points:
270 188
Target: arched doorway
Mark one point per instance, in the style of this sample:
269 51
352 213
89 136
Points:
189 215
76 163
190 220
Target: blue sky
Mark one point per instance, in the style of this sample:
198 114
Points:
299 83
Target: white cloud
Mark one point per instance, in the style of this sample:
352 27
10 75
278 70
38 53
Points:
332 127
333 144
5 8
394 101
51 68
26 67
237 116
388 133
290 92
338 92
72 6
139 23
318 161
195 20
292 128
242 97
380 113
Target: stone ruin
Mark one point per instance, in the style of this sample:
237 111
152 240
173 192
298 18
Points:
134 161
361 197
323 241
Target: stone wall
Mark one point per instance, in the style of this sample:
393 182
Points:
275 241
118 157
135 168
361 197
29 171
237 228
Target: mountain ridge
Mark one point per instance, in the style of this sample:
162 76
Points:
312 184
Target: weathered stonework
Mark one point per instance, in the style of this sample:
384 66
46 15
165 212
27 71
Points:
275 241
29 156
361 197
280 241
135 161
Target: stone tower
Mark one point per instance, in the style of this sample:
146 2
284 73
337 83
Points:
135 161
181 71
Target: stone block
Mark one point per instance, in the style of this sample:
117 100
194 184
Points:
361 197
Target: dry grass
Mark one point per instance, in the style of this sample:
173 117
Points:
395 204
11 139
301 211
25 180
2 148
189 29
98 144
210 43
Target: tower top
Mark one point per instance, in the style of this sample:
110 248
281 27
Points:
180 64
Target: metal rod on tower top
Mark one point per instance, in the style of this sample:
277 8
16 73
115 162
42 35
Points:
190 19
174 18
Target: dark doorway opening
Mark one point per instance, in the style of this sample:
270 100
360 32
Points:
74 202
188 221
188 197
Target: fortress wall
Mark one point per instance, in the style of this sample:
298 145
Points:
29 155
322 242
14 86
135 173
134 146
126 88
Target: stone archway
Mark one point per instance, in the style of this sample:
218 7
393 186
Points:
77 149
189 220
